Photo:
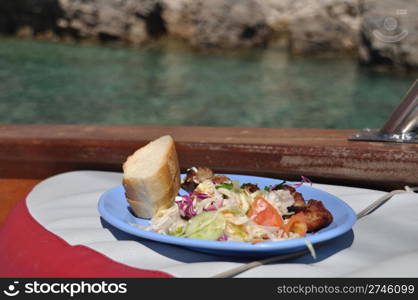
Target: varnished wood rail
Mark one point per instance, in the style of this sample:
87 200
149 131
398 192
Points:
29 153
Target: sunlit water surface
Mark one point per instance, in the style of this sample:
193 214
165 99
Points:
43 82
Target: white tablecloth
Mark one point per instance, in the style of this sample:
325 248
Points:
382 244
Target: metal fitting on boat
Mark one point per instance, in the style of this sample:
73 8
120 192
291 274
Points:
402 126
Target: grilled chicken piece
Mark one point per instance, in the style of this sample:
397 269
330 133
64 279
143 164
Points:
316 215
250 188
299 200
194 176
197 175
219 179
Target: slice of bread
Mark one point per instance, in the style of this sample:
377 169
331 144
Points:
151 177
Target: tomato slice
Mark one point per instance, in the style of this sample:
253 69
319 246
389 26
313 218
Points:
263 213
297 224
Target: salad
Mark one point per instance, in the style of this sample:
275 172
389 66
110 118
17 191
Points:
218 208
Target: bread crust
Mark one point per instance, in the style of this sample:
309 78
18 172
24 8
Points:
158 191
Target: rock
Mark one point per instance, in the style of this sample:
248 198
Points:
381 32
29 17
389 33
24 31
315 27
218 23
130 21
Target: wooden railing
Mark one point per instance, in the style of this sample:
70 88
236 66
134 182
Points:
30 153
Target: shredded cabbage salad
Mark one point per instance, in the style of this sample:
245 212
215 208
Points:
228 212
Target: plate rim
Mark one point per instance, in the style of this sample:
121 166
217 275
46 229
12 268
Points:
223 246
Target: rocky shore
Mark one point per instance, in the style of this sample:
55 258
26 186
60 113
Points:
382 33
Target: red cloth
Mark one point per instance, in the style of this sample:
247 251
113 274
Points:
28 250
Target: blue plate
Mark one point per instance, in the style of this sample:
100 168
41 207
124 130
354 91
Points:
114 208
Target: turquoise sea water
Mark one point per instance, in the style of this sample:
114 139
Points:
44 82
